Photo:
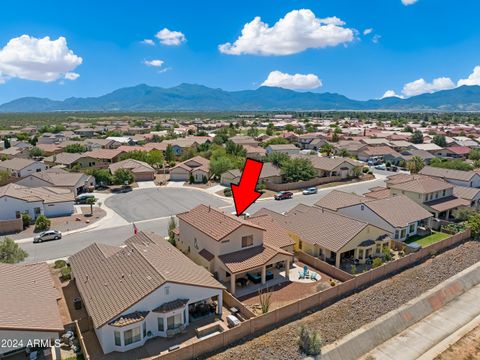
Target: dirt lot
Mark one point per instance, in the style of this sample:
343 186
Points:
467 348
359 309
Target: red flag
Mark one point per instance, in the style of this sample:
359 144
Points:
135 230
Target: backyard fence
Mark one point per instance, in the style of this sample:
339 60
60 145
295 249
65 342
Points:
302 184
257 325
324 267
11 226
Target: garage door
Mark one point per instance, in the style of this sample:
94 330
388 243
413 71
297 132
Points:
146 176
179 176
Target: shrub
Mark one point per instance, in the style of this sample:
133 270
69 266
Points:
204 179
377 262
42 223
191 180
386 254
60 264
227 192
332 282
26 220
310 341
365 170
11 252
66 273
353 269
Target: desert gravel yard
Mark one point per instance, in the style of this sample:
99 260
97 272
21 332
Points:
359 309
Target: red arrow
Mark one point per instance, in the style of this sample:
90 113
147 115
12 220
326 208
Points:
244 194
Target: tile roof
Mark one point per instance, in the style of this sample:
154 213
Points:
207 255
378 193
59 177
44 194
327 229
448 173
111 280
64 158
422 185
460 150
448 203
398 211
335 200
135 166
28 300
380 150
275 234
465 192
251 258
107 154
17 163
283 147
213 222
129 319
269 170
171 305
329 163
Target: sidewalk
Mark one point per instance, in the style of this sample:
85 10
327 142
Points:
417 341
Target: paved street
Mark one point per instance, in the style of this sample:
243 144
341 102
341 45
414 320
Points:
144 204
151 209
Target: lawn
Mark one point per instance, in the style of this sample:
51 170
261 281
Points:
427 240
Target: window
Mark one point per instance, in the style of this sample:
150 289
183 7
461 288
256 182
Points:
160 324
247 241
174 321
300 244
444 192
118 340
412 228
396 234
18 214
132 336
403 233
167 290
436 195
37 211
144 330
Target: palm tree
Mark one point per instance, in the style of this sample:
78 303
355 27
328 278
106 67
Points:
344 153
327 149
415 164
91 202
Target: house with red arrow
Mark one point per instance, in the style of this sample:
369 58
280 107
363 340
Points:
236 251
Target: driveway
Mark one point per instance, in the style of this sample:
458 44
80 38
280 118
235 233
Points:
145 204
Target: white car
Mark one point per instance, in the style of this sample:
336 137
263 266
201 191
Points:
47 235
232 321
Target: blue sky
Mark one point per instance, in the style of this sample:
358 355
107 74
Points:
325 45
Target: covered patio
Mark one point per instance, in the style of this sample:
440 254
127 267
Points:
249 270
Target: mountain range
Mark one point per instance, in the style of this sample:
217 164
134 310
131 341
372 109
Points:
191 97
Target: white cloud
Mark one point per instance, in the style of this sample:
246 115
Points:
27 57
292 81
390 93
171 38
297 31
473 78
154 63
408 2
148 42
420 86
367 31
72 76
376 38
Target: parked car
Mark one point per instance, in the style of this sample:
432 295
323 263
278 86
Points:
83 198
381 167
232 321
121 189
283 195
245 215
310 191
47 235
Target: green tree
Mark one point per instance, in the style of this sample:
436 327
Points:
4 177
123 177
169 154
75 148
219 165
102 176
276 141
277 158
91 201
234 149
439 140
474 155
270 129
172 225
42 223
417 137
252 131
11 252
36 152
155 158
415 164
473 223
26 219
344 153
326 149
298 169
455 164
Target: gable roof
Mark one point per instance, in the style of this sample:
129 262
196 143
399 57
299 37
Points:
422 185
448 173
65 158
135 166
17 163
275 234
335 200
28 300
327 229
112 279
398 211
59 177
106 154
45 194
213 222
